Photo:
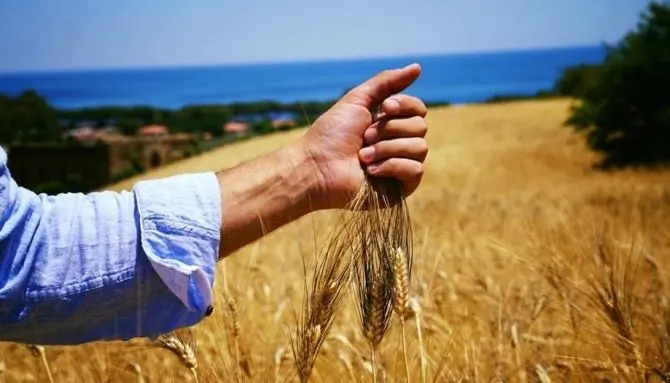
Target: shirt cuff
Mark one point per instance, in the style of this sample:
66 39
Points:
180 221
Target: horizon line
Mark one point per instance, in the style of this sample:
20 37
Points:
293 61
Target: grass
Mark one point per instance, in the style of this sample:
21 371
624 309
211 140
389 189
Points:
529 266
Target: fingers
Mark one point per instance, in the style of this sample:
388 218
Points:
403 105
407 171
414 148
399 128
385 84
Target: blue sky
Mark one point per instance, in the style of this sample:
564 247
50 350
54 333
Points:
76 34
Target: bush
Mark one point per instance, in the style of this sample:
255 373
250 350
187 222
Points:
625 108
576 81
540 95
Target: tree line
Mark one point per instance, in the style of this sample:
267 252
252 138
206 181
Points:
28 117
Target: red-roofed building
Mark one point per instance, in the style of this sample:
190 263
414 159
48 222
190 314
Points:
235 127
152 130
283 123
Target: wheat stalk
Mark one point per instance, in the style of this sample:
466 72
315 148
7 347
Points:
415 308
383 228
38 350
380 228
331 276
241 361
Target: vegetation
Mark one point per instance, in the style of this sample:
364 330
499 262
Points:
28 117
539 95
625 108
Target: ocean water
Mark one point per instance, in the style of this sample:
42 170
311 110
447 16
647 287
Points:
458 78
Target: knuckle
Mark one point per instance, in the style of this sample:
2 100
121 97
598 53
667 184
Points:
424 108
423 127
422 146
417 169
385 73
394 165
380 148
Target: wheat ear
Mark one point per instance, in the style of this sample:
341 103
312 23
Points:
183 344
401 299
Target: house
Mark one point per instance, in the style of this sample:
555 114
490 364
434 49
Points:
236 128
87 134
153 131
283 123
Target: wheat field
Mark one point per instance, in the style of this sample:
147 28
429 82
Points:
529 266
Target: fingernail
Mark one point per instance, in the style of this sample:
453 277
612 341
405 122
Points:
393 104
370 136
373 168
368 153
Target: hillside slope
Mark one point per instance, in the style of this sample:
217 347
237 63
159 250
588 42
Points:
528 264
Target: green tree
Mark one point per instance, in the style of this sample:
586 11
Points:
6 120
263 127
625 108
576 81
31 118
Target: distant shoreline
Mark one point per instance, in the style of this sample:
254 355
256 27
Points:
452 78
260 64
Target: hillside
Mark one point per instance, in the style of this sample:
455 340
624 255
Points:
529 266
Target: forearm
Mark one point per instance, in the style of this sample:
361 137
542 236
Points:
264 194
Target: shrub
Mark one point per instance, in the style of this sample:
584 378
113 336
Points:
625 108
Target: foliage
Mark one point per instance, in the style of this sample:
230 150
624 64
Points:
27 117
543 94
263 127
625 108
575 81
134 169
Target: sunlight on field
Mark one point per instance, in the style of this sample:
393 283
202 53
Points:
530 266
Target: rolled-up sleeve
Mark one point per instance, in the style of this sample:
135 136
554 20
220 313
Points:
107 265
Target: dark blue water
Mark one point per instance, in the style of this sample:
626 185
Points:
453 78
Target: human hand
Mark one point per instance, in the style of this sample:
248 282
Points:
345 140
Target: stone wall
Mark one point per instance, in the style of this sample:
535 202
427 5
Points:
34 165
94 164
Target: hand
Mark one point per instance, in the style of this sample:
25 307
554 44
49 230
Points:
345 139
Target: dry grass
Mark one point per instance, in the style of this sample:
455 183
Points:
529 266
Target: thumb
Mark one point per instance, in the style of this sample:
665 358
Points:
385 84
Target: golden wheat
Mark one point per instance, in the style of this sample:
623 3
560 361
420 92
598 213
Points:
182 343
507 225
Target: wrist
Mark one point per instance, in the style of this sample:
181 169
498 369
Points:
306 169
263 194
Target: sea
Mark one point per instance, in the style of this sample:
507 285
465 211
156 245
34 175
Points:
453 78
